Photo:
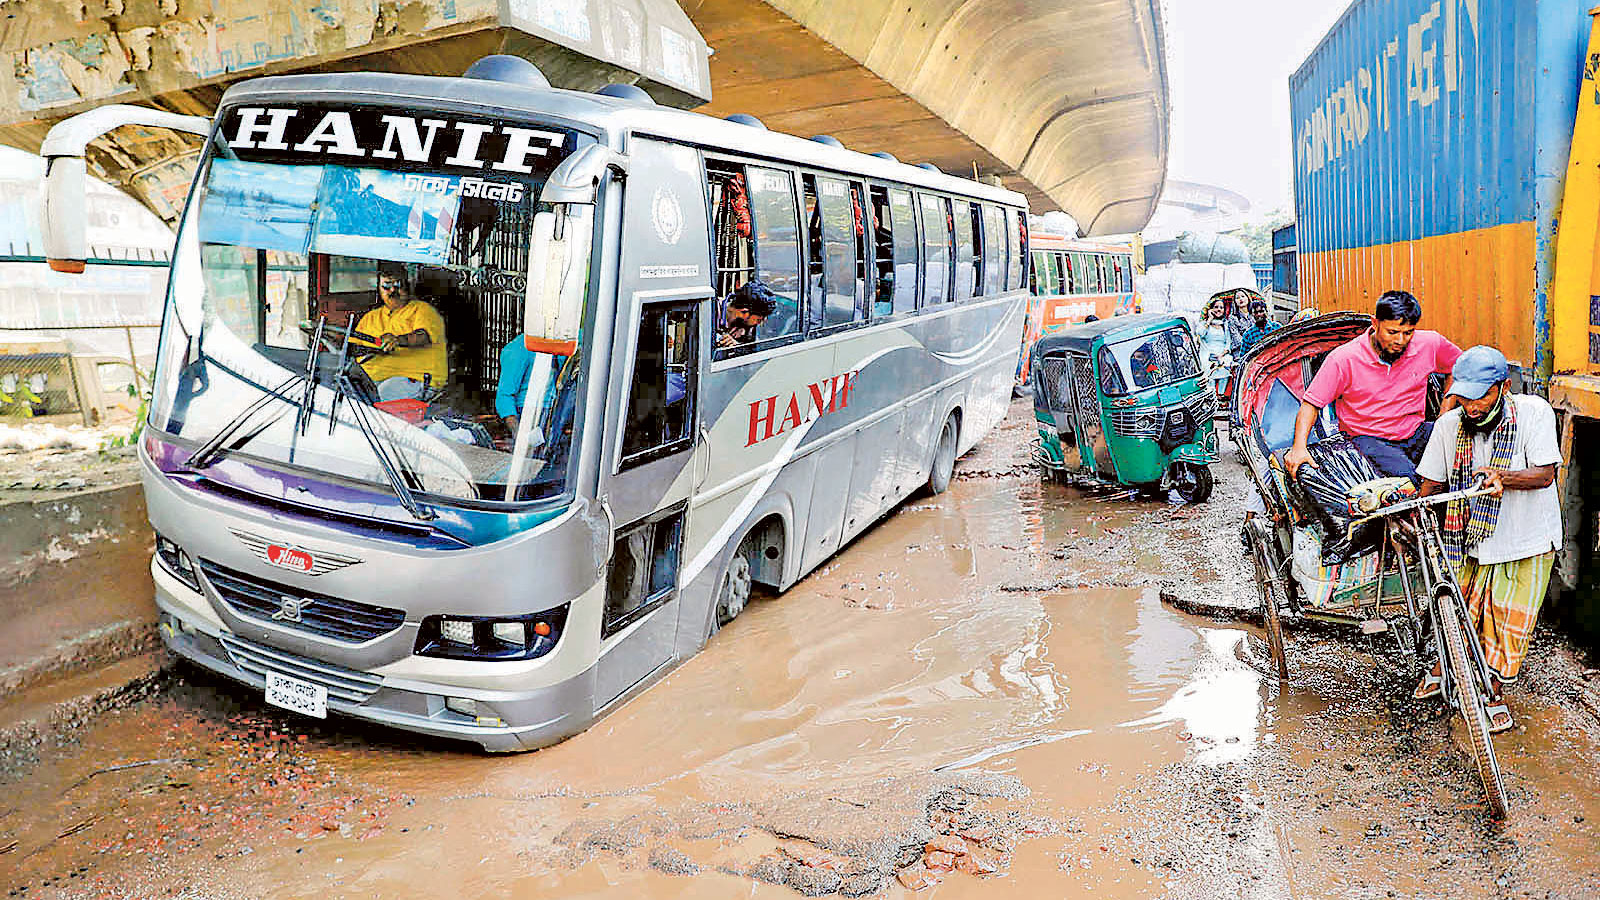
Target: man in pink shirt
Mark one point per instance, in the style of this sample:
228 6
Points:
1379 385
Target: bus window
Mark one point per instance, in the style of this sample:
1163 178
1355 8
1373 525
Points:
660 402
777 245
1013 250
833 299
1125 274
882 252
861 288
814 251
935 251
1103 269
903 221
965 261
994 263
1033 276
1050 273
643 572
1019 235
733 239
1069 272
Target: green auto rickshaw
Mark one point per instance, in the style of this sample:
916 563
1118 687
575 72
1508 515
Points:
1123 401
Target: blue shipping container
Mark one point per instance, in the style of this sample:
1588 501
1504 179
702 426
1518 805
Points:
1430 139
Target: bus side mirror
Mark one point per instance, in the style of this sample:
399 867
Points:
558 263
66 242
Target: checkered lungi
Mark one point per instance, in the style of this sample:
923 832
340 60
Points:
1503 600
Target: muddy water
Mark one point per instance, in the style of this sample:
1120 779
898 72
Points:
997 661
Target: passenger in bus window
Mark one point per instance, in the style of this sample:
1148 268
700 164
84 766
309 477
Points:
410 334
743 312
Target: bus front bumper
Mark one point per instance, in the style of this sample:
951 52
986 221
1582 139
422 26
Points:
505 721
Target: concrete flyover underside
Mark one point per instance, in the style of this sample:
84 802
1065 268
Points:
1063 100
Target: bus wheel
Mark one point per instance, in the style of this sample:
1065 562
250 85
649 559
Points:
944 457
734 591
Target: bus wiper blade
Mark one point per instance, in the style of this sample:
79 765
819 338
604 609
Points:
339 380
207 452
308 398
391 471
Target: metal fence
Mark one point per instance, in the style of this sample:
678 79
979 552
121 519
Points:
97 373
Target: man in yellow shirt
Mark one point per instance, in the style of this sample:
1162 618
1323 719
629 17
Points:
410 334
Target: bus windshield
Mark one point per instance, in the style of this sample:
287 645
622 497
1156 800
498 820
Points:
364 317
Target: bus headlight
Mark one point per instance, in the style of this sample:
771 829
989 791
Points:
176 561
497 638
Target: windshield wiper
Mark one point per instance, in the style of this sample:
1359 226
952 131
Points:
380 449
207 452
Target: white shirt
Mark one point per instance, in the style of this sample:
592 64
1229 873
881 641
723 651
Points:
1530 521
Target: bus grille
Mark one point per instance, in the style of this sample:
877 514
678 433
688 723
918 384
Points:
342 684
320 614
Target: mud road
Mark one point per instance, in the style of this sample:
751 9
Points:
987 695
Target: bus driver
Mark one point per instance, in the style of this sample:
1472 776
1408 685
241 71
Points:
410 334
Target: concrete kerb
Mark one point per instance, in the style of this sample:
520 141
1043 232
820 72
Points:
75 587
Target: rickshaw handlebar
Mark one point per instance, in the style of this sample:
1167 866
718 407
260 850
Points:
1476 489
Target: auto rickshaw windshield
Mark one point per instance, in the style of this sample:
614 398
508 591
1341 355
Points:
1147 361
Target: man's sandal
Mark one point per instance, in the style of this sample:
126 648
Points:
1430 686
1499 717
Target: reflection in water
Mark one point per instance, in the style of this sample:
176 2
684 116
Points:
1221 706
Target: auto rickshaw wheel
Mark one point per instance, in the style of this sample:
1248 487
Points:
1192 482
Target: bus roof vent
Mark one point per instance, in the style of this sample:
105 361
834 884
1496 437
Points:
631 92
747 119
884 154
930 167
828 139
508 69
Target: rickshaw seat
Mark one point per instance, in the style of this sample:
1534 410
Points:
1275 424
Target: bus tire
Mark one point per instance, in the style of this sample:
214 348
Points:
734 588
944 456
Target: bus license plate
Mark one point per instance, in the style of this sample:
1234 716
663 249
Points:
298 696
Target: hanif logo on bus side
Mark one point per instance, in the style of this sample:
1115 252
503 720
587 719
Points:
819 399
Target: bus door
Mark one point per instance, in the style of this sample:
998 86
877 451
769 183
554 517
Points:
652 411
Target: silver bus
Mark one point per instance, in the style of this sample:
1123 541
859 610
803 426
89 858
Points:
481 404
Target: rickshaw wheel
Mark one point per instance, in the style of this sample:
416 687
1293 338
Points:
1273 594
1193 483
1469 701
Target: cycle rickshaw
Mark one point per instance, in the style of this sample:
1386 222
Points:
1390 575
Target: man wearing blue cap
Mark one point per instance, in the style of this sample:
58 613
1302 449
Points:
1503 544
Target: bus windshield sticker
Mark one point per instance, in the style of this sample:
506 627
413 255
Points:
255 205
385 215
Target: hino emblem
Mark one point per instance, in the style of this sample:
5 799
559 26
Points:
290 608
284 555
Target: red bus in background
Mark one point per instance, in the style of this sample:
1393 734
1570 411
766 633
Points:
1070 280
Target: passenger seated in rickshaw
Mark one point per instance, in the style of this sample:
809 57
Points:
1378 384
